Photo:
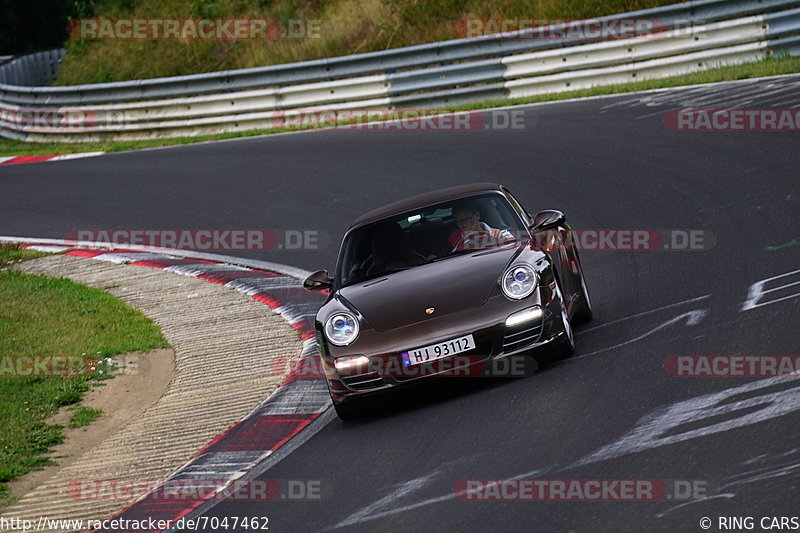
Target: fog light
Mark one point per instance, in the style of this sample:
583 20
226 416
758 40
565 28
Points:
526 315
350 362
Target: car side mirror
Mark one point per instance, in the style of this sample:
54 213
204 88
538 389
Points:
319 280
548 219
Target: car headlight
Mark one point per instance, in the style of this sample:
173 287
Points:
350 362
341 329
519 281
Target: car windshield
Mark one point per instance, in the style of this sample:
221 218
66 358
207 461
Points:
428 234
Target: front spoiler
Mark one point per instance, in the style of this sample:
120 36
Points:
551 335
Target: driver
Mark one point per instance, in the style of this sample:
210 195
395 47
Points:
474 234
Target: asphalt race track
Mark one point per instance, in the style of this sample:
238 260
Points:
610 412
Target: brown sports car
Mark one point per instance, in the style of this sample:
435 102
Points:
442 283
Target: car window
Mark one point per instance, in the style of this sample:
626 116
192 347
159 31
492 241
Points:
433 233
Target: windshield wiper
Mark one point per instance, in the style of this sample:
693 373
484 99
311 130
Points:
377 275
451 254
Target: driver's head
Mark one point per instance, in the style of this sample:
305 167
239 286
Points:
467 217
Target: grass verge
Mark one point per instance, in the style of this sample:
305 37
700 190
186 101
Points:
42 316
768 67
337 27
83 416
14 253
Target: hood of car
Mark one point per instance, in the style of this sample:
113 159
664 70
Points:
446 286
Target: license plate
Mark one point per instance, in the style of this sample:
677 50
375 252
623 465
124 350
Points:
438 350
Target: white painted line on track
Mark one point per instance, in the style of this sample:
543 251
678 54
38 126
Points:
692 319
643 313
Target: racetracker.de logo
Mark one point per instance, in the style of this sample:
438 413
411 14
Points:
47 119
23 366
543 490
733 119
588 239
735 366
200 239
558 29
123 490
192 29
399 366
398 119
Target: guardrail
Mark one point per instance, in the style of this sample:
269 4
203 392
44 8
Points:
696 35
39 68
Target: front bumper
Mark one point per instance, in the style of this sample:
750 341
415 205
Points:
494 341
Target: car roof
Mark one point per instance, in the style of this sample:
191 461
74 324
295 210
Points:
424 200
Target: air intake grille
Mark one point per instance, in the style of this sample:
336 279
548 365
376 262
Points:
523 335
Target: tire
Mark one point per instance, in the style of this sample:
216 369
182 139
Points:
584 313
565 347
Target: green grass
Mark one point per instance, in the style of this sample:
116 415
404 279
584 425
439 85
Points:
345 27
41 316
13 253
768 67
84 416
